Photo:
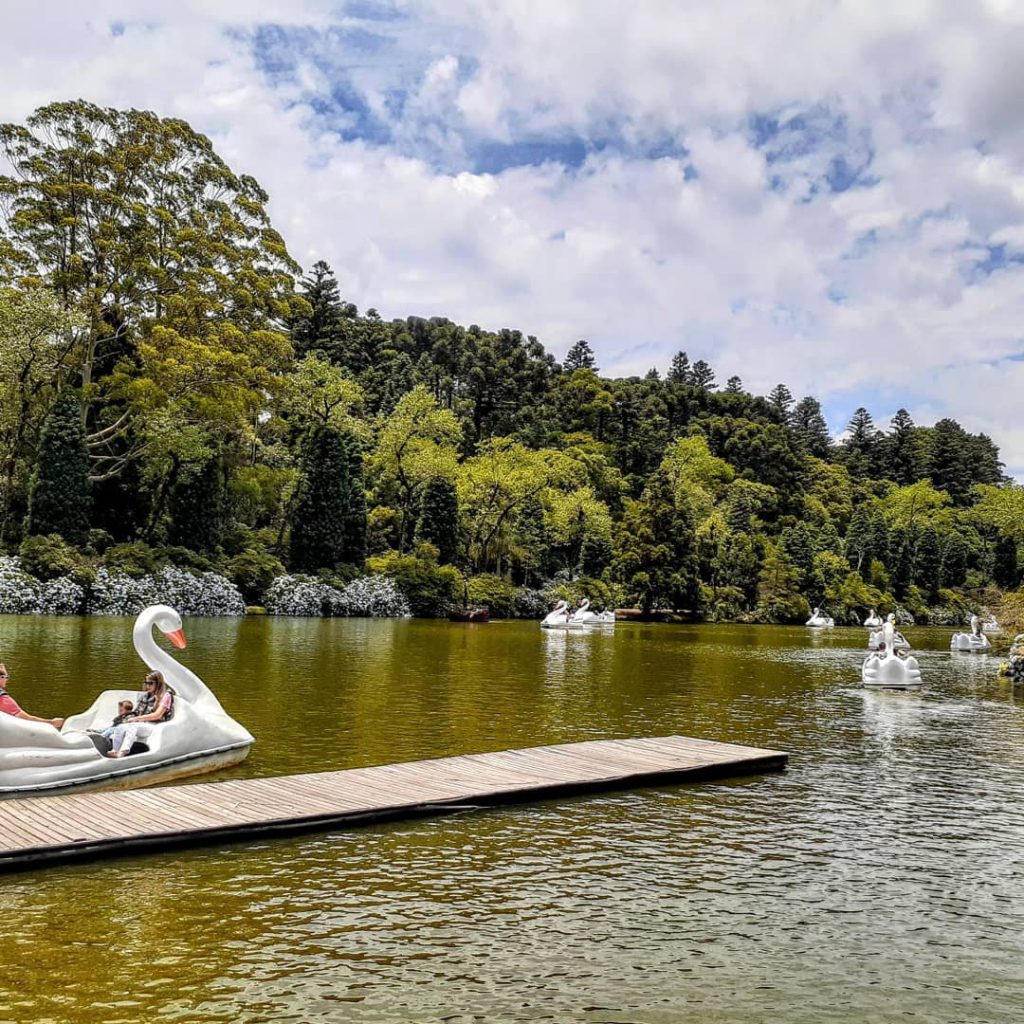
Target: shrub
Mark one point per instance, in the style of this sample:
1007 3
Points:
530 604
19 592
299 595
430 589
495 593
62 596
47 557
190 593
183 558
132 559
376 596
253 572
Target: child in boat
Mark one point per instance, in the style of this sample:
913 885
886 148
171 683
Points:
124 709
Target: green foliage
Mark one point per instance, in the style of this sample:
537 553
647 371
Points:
133 559
59 499
253 572
778 591
47 557
197 509
953 567
493 592
439 518
430 589
328 524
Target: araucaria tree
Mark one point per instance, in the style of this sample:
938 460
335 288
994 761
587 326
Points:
328 506
439 518
59 498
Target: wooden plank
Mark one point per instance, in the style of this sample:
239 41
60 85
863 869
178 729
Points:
39 830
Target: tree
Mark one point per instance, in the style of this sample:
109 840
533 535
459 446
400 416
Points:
927 564
655 549
59 499
196 509
138 225
901 562
950 466
38 342
902 450
417 443
702 376
780 398
439 518
580 357
953 568
860 448
679 370
734 386
329 502
319 326
808 424
1006 568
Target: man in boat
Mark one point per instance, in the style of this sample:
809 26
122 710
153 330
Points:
9 706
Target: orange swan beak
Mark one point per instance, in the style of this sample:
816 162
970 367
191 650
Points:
177 637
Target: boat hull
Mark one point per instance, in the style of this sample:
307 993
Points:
136 776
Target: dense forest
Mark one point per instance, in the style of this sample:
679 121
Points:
175 391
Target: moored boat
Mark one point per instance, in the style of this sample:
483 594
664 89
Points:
37 760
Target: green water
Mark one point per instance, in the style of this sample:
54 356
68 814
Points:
878 878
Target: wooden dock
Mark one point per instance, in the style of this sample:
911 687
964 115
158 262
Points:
37 831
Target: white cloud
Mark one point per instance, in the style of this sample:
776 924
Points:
679 230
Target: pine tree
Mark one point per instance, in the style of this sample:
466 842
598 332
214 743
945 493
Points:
810 427
59 500
354 520
928 563
580 357
702 376
860 449
950 466
901 562
439 518
953 568
323 519
734 386
1005 567
902 451
679 371
780 398
321 328
857 545
196 508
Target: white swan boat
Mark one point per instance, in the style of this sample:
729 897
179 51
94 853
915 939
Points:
36 759
887 667
973 641
877 637
818 619
558 616
583 616
874 620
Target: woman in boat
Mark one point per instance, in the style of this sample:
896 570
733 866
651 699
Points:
9 706
155 705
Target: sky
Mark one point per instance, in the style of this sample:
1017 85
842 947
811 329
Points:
823 193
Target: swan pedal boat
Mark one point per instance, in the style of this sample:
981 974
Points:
37 760
888 669
874 620
817 619
973 641
583 616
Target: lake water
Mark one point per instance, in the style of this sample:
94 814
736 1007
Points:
879 878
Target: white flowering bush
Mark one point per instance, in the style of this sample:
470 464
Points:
372 596
197 593
61 596
19 592
191 593
300 595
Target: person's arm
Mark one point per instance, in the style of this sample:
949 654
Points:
154 716
55 722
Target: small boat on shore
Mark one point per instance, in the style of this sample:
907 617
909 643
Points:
38 760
